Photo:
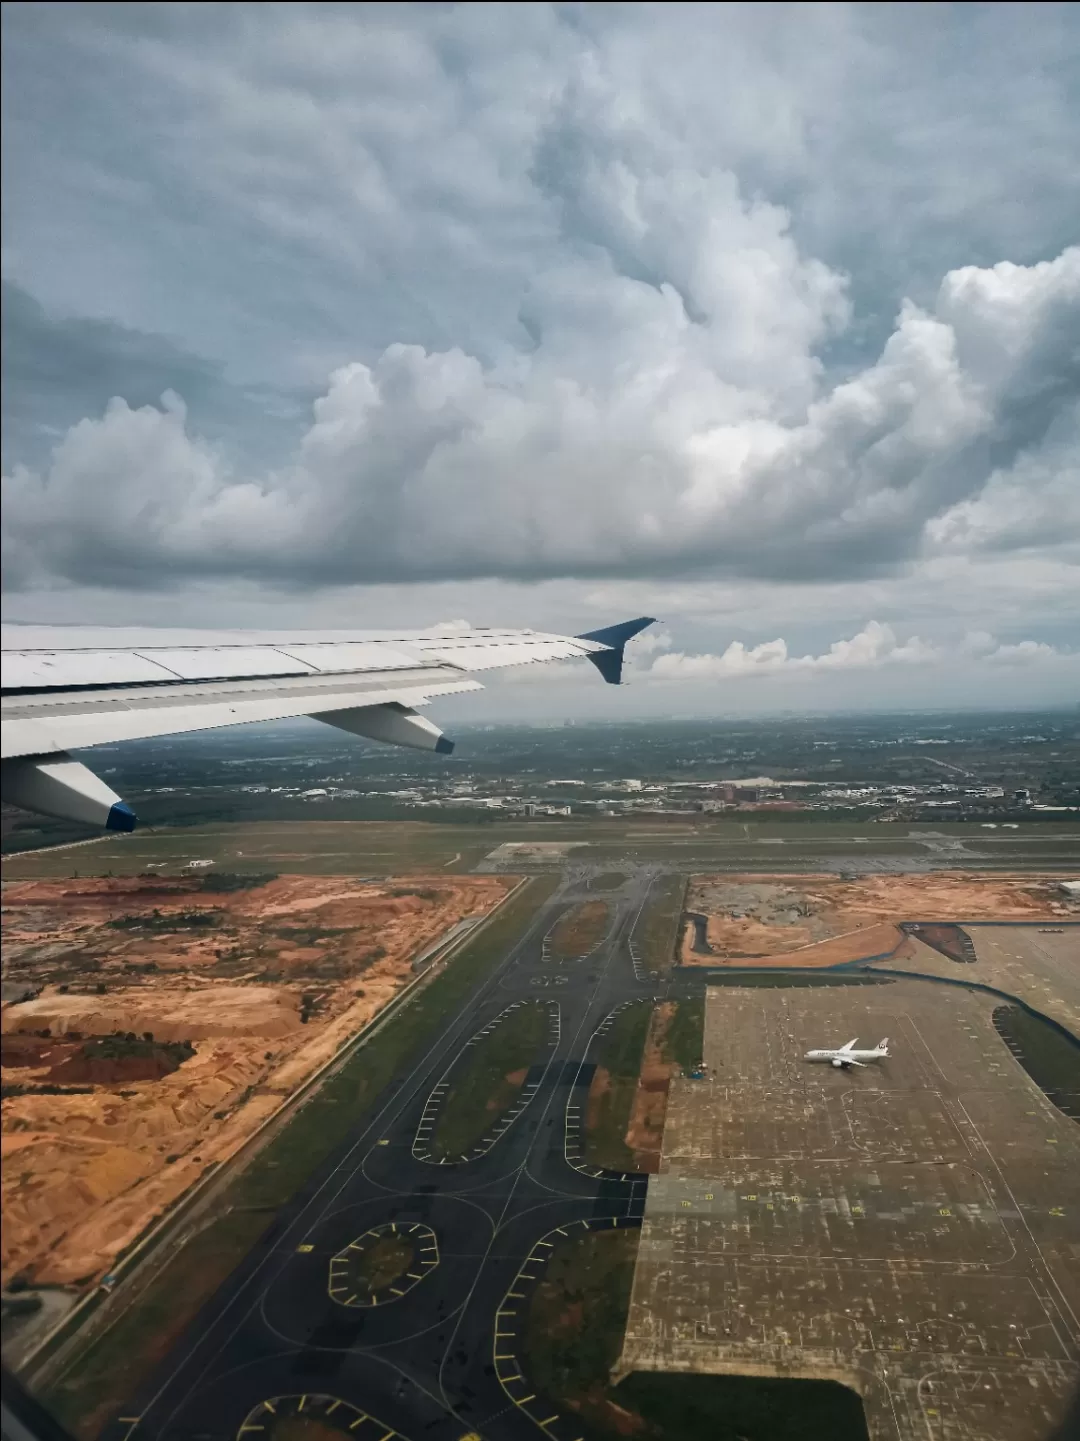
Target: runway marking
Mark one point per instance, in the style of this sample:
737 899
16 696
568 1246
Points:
345 1290
428 1116
506 1364
314 1406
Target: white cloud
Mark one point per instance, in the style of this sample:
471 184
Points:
875 646
623 299
633 438
1025 652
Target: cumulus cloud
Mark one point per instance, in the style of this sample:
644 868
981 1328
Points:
654 427
623 299
875 645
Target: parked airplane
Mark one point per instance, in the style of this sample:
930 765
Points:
68 688
847 1055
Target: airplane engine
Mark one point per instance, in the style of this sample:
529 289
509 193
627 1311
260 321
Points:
838 1063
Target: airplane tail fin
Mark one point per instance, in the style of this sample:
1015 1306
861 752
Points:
883 1045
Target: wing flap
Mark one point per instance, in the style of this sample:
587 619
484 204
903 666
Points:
39 724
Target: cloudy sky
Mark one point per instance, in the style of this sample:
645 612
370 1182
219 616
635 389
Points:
761 319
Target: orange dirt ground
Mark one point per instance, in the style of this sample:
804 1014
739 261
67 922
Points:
822 920
282 977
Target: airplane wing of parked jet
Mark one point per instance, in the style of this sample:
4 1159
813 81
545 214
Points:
64 689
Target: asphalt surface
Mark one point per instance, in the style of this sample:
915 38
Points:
442 1360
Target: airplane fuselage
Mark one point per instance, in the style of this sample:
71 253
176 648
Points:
844 1056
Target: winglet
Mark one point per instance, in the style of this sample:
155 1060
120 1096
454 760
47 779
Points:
609 662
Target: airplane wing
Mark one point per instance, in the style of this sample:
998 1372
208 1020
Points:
850 1045
850 1062
68 688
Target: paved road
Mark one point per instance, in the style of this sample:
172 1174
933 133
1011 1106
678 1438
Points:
443 1359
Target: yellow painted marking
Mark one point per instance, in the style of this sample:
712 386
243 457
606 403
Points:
515 1377
270 1408
944 1211
414 1275
549 1420
382 1143
1056 1211
307 1246
527 1398
517 1295
333 1408
505 1356
387 1436
357 1422
686 1205
396 1291
561 1231
350 1300
708 1195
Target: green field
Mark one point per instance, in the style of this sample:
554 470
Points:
488 1079
658 930
111 1367
685 1034
581 929
399 847
573 1336
611 1096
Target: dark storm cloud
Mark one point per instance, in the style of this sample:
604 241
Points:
60 369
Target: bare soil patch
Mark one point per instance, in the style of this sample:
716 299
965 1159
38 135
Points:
225 999
824 920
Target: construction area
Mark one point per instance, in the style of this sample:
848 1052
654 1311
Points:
910 1229
830 920
152 1025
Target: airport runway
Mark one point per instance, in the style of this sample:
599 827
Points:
442 1359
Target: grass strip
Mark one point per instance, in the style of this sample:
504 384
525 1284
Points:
573 1336
488 1079
685 1036
115 1363
658 930
611 1095
577 1314
581 929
